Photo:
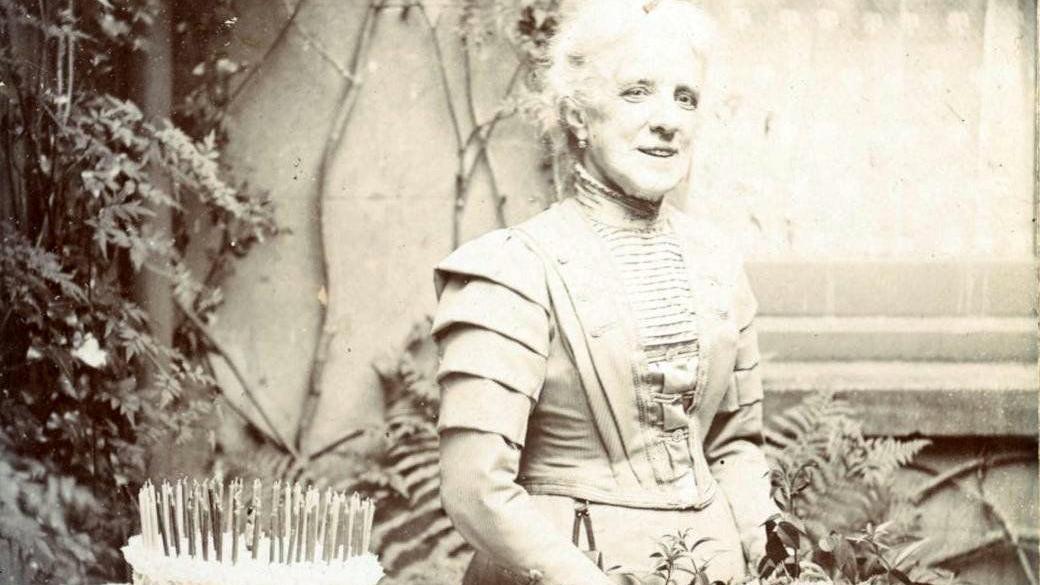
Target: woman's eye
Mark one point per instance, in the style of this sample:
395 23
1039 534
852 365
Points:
686 99
635 93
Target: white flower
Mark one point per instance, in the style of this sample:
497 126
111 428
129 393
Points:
90 352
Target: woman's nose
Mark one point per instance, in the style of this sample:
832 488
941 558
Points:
664 119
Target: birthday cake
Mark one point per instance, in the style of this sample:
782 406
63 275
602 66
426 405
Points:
203 534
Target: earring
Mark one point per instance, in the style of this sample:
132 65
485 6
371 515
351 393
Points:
582 144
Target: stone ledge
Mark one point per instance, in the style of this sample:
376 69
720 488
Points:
932 399
912 288
953 339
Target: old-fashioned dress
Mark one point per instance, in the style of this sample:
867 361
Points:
605 352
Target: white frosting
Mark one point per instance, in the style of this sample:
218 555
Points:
152 567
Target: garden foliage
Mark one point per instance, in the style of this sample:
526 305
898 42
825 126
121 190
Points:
86 385
843 519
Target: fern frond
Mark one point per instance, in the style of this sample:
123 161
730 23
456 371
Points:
884 455
849 474
415 460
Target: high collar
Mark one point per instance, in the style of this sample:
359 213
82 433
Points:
612 207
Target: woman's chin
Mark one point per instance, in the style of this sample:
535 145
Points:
653 184
654 190
651 196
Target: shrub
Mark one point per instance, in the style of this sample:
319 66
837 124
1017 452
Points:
86 385
843 521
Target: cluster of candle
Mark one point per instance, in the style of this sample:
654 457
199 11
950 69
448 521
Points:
213 521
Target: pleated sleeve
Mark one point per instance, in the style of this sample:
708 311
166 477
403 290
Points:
492 328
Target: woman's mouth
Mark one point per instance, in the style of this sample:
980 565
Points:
659 151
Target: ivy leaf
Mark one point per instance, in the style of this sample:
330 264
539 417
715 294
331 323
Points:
908 551
789 534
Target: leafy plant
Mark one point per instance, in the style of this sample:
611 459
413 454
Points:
87 385
832 477
866 557
675 557
842 521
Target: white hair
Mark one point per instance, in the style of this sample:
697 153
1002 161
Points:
590 26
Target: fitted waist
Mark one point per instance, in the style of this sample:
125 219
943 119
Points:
682 494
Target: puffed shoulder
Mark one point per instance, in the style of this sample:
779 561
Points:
495 283
499 257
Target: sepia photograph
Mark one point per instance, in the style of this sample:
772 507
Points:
519 292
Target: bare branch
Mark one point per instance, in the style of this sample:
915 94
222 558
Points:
481 134
319 47
341 117
275 44
459 204
1004 523
950 475
443 72
335 444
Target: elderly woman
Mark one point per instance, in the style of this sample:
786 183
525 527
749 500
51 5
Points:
599 360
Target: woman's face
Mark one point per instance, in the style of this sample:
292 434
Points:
640 121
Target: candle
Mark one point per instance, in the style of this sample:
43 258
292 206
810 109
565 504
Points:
206 515
315 513
236 518
199 507
337 503
359 526
240 519
315 526
189 514
275 531
181 510
323 527
173 518
161 505
292 516
217 493
140 510
366 534
351 514
301 549
341 536
290 527
230 504
301 524
287 523
216 511
142 505
311 520
153 531
257 515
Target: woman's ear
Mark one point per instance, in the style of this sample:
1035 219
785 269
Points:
574 118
